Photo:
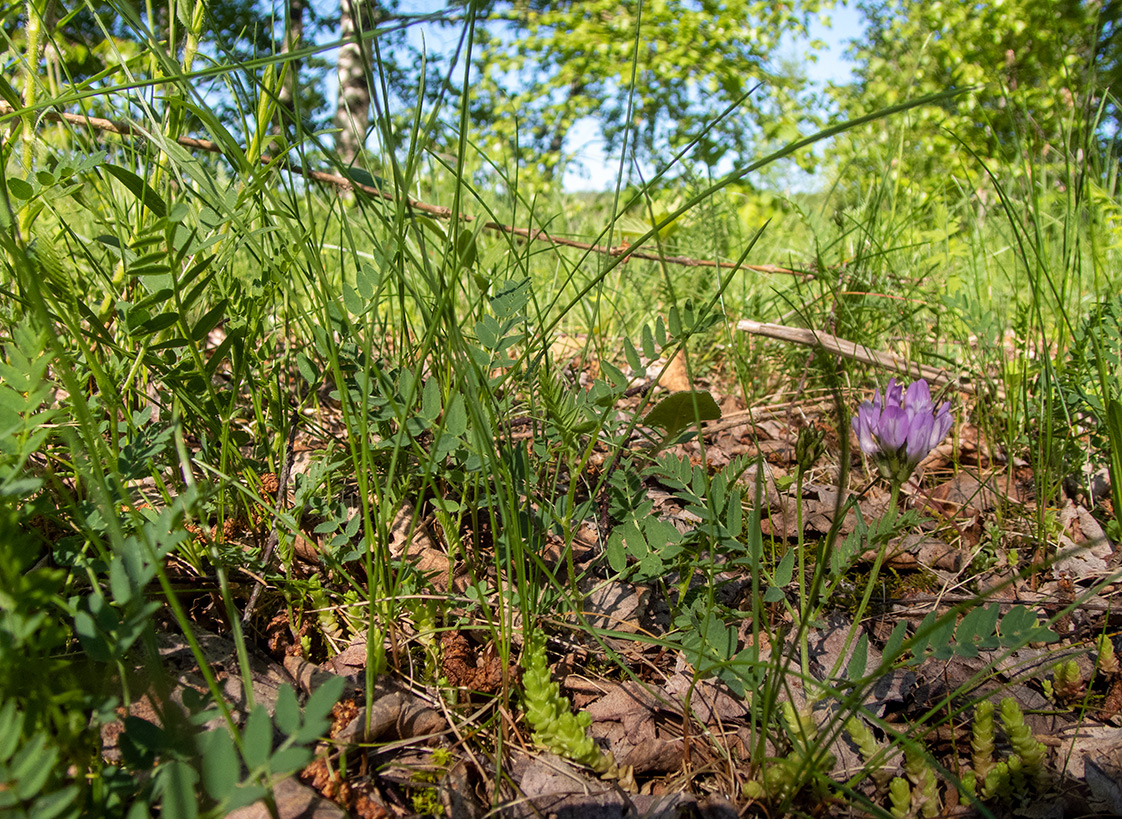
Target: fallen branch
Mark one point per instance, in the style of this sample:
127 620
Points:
859 352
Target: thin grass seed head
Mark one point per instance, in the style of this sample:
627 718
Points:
899 429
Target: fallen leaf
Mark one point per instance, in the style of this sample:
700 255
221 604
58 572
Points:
675 378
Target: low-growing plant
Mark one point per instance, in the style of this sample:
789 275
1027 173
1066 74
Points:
550 715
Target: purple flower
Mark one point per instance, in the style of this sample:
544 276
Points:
901 429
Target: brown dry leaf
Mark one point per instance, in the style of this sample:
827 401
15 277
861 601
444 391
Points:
308 676
1101 744
1085 549
266 676
711 702
933 553
634 724
820 505
615 606
305 545
974 450
975 494
457 795
351 660
396 713
675 378
410 538
551 786
584 545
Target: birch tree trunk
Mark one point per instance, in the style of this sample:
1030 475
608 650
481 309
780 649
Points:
293 40
352 113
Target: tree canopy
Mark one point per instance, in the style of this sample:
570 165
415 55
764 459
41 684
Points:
1028 70
714 76
539 67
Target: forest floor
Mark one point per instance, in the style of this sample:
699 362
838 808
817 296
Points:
683 741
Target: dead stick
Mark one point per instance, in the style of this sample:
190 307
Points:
859 352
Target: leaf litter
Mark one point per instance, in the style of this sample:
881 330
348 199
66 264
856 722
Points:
680 741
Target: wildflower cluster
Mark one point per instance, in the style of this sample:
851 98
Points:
900 429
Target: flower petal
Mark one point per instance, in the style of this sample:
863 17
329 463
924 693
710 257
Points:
864 424
893 429
941 424
919 437
918 399
894 394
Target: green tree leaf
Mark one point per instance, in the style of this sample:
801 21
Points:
1027 70
676 412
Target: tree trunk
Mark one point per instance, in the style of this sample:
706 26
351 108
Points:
293 40
352 113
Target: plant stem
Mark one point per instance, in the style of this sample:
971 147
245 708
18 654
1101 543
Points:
878 562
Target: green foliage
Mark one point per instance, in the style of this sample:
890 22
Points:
24 408
925 793
29 785
1030 752
1107 661
550 715
711 647
1027 71
1067 681
645 547
900 794
189 307
220 770
676 412
981 740
868 747
43 701
1091 393
658 78
997 783
942 639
